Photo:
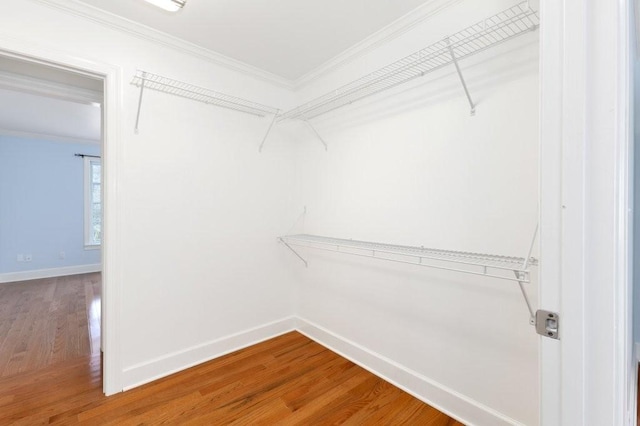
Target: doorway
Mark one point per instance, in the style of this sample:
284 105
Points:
52 286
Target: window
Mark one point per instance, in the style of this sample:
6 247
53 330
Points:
92 202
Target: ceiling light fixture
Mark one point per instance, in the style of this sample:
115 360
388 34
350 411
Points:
170 5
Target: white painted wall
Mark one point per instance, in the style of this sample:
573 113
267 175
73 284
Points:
200 207
414 168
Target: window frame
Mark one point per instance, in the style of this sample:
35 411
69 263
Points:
88 201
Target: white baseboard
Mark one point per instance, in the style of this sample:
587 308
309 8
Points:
172 363
450 402
49 273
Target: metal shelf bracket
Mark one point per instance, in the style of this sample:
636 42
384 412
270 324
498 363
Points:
313 129
525 266
264 139
143 78
464 84
306 265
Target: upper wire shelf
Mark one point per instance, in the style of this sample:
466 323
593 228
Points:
495 30
490 265
143 79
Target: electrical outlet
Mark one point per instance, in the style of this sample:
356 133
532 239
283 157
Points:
62 255
28 258
20 258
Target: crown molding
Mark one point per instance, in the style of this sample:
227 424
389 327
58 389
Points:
388 33
47 137
36 86
385 35
144 32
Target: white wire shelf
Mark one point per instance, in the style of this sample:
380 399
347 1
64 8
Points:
495 266
504 26
143 79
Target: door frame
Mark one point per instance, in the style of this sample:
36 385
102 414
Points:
586 199
112 154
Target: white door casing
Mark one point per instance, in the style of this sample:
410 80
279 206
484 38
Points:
585 210
111 158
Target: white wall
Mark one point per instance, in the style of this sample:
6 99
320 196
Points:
414 168
200 207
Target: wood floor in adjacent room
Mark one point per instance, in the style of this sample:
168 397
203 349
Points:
288 380
48 321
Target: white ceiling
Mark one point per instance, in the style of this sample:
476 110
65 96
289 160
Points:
49 74
39 100
32 115
289 38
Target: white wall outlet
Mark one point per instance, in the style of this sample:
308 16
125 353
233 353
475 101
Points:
28 258
20 258
62 255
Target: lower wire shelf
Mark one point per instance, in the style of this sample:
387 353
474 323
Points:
508 268
490 265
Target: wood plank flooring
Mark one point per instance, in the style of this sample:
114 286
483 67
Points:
288 380
48 321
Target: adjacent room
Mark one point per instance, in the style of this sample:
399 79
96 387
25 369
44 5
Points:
50 216
304 212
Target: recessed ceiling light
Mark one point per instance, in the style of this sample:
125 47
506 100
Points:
170 5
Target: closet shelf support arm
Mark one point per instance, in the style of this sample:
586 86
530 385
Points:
532 315
144 74
306 265
264 139
464 84
313 129
525 266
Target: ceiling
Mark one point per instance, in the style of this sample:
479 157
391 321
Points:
26 114
41 100
50 74
289 38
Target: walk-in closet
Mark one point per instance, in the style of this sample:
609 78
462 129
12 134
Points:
414 189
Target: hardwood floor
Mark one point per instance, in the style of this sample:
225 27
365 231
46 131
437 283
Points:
289 380
48 321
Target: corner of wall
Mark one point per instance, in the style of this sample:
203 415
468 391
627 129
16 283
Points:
448 401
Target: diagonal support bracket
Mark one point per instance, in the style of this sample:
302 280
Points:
464 84
144 75
313 129
519 275
532 315
264 139
306 265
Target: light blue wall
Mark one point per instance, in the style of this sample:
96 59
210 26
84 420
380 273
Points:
41 204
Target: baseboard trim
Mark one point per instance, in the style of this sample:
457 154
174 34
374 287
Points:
458 406
49 273
450 402
155 369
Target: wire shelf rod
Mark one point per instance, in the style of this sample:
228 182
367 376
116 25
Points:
490 265
496 264
170 86
495 30
515 262
444 268
484 271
